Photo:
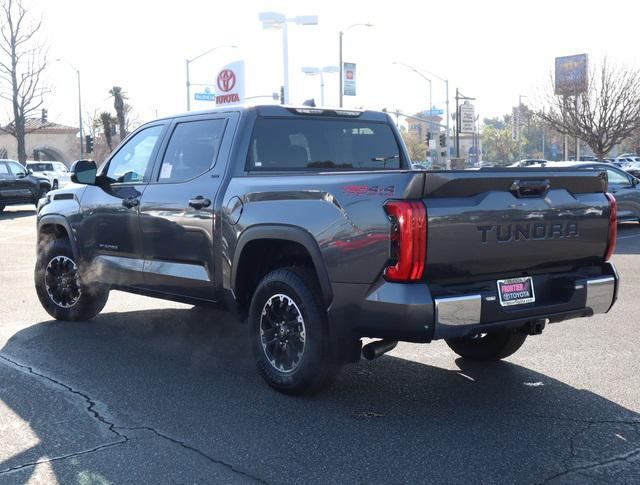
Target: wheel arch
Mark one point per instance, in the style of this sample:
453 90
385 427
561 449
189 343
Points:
284 233
57 226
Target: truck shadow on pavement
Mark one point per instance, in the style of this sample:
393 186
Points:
12 213
173 396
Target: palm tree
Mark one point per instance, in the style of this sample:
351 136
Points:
105 119
118 103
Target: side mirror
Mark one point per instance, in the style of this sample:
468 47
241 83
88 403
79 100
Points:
84 172
635 181
29 171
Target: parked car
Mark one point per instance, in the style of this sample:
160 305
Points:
528 162
56 172
19 186
623 185
312 224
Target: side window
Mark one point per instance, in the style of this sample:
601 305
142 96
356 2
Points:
17 169
192 150
616 177
132 162
3 169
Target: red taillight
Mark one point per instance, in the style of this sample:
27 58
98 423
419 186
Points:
408 240
613 226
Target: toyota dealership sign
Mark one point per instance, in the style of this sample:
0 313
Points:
230 84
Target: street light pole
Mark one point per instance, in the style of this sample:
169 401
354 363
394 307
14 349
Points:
79 105
274 20
341 68
446 83
80 115
342 32
285 57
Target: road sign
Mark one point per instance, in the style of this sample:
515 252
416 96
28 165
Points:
349 79
572 74
515 123
467 118
207 95
433 112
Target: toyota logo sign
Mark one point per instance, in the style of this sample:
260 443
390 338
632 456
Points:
226 80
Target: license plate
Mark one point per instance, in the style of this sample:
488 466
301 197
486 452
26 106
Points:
516 291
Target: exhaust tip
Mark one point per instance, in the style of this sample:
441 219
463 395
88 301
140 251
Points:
378 348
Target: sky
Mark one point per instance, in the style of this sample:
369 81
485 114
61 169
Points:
491 50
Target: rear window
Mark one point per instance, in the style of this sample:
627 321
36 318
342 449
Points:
40 167
322 145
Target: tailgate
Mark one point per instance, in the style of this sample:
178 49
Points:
501 223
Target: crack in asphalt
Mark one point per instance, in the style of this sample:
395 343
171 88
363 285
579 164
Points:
112 427
572 453
195 450
624 457
60 458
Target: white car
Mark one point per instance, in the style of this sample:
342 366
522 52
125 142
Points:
56 172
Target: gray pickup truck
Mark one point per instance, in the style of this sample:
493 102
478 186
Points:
311 224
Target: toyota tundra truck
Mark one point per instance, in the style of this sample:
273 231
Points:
310 225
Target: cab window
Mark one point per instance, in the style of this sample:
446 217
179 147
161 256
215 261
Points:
132 163
192 150
616 177
17 169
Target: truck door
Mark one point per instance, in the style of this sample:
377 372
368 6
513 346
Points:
177 208
24 188
109 232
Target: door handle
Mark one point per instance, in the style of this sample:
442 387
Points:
199 202
130 202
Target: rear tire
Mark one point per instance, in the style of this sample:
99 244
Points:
490 346
290 334
60 289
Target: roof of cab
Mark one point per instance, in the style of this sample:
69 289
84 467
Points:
276 110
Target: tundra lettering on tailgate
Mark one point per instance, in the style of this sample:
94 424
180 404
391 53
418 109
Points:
528 231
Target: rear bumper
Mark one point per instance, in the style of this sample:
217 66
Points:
410 312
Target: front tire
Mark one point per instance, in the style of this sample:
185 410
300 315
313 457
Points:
488 347
60 289
289 332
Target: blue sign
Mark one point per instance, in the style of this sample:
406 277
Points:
206 96
433 112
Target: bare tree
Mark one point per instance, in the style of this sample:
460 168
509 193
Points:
22 62
602 116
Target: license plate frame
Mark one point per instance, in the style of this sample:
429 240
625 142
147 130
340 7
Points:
510 296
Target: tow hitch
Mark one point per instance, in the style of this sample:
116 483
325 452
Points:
535 327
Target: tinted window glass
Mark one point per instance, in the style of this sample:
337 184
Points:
283 144
616 177
192 150
16 168
40 167
132 162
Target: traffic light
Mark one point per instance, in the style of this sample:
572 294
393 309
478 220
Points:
44 115
443 140
89 141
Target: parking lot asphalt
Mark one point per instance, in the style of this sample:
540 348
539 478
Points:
158 392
